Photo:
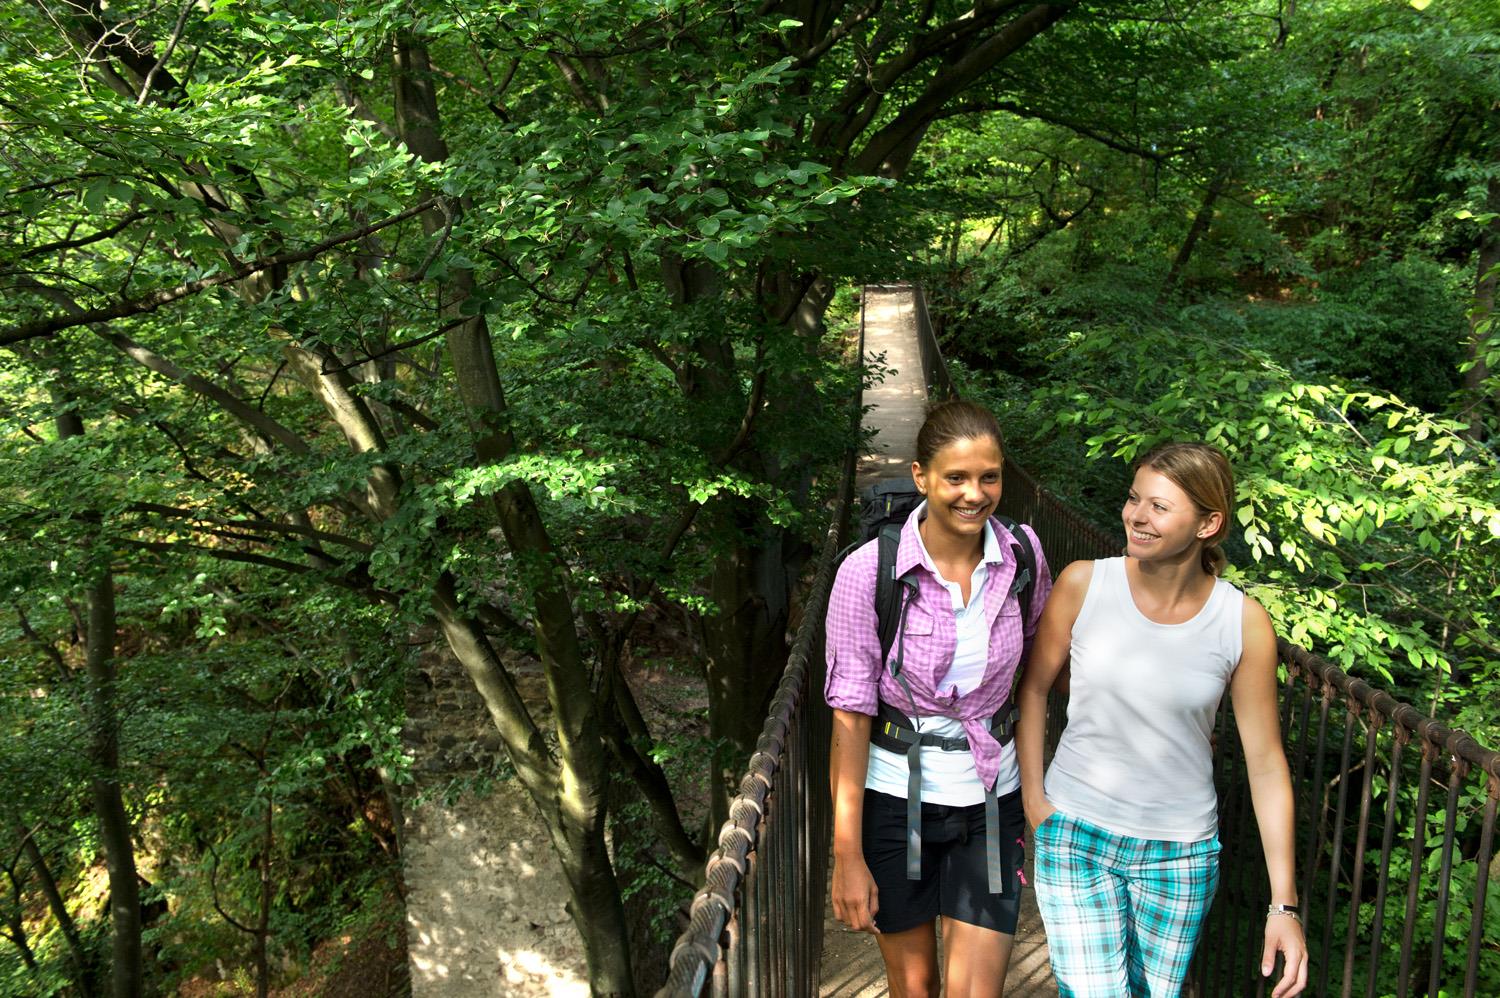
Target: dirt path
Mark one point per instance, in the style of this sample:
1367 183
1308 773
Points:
485 911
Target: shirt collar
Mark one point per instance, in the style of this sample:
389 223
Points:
913 552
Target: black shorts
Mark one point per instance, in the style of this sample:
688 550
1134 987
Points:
955 878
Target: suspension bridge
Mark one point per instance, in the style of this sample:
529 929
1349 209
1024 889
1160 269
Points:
1377 782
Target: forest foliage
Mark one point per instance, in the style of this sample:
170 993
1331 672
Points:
342 334
1331 328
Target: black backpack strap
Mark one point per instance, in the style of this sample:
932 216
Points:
890 600
1025 580
893 731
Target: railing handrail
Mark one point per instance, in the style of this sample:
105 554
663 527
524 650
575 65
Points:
934 367
1454 741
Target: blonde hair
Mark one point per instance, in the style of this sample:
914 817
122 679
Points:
1203 472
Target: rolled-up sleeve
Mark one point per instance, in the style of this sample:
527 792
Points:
853 635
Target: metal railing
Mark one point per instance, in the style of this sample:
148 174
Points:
1367 771
756 926
934 367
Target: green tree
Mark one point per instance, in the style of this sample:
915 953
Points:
508 317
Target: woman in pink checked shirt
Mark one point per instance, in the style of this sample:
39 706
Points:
927 805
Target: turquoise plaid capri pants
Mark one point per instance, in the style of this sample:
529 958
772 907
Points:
1123 914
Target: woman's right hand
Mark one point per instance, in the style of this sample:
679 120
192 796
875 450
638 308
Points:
855 897
1038 810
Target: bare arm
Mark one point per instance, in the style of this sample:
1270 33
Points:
855 899
1254 694
1049 656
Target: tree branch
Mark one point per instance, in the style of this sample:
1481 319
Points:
325 368
593 101
266 525
176 36
891 148
269 428
47 647
94 237
836 34
648 778
213 888
126 308
1094 134
495 108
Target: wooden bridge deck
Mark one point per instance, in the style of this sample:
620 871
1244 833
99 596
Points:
851 965
899 400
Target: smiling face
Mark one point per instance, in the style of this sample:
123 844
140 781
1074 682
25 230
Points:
1162 522
962 486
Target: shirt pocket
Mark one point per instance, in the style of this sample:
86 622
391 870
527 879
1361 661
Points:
919 622
916 643
1007 635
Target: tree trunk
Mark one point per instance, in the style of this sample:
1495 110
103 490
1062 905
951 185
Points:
267 897
127 968
82 979
745 643
389 791
567 795
16 933
624 725
127 971
1201 221
595 904
574 804
15 925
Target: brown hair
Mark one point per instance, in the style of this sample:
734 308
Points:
1203 472
947 422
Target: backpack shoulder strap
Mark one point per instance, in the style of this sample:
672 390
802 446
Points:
1025 580
887 591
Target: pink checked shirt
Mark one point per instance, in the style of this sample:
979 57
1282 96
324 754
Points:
857 678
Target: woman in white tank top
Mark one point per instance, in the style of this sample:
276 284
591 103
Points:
1125 822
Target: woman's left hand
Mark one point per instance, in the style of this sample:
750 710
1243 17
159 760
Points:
1284 935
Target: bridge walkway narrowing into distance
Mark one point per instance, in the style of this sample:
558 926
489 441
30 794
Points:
1376 780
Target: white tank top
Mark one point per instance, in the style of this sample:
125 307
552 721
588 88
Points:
1135 756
